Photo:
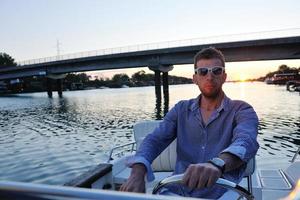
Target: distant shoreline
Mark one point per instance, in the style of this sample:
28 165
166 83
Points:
4 94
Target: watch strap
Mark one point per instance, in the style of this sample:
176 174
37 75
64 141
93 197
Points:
222 169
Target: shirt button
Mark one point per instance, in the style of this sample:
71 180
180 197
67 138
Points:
203 147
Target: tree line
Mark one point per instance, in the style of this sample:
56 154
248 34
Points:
6 60
138 79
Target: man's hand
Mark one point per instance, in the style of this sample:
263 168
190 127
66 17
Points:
201 175
135 182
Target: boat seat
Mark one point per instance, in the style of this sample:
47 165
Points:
162 166
274 179
274 183
280 179
165 162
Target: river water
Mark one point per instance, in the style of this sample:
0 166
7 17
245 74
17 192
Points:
52 141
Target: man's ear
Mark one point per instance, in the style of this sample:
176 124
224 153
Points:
225 77
195 79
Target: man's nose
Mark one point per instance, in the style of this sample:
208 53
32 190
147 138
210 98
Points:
209 76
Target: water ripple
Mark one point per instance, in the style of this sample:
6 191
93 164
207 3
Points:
54 140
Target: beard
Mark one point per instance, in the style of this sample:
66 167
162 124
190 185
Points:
211 94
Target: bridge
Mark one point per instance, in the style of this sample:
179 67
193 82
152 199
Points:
157 57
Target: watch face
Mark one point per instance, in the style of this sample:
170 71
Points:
218 161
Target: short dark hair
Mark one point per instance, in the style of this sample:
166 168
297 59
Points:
209 53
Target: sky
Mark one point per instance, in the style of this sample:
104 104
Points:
30 29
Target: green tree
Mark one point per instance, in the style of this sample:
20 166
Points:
120 78
139 76
100 82
286 69
7 60
77 78
283 68
142 76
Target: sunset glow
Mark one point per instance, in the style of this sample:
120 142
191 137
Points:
242 78
236 71
75 30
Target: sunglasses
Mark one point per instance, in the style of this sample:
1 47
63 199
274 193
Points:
203 71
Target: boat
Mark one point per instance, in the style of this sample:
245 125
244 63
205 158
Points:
124 86
268 81
282 78
293 86
3 88
104 180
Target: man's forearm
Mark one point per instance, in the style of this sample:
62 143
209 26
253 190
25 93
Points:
232 161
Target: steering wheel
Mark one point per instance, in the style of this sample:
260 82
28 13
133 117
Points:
221 182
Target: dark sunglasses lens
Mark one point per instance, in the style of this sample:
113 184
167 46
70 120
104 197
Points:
202 71
217 70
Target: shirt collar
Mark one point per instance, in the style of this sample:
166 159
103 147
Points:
195 105
224 104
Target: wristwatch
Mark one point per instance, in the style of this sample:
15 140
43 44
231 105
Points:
219 163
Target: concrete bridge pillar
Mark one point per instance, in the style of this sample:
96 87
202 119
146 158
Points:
49 87
157 80
59 83
164 69
165 84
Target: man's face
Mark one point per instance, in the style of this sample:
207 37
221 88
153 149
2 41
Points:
210 84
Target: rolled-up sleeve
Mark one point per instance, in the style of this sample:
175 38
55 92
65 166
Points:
244 143
155 142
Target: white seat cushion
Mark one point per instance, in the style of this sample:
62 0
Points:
165 162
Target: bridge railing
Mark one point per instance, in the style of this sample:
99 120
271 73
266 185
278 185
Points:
169 44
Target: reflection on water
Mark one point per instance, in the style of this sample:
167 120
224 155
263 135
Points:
279 116
158 104
53 140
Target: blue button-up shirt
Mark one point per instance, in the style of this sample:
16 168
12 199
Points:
231 128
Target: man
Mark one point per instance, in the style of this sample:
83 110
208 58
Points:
216 136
